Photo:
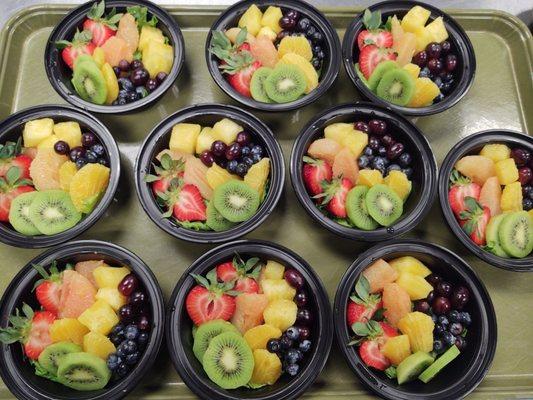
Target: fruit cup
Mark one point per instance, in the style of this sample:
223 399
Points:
421 171
133 61
315 29
17 370
191 138
319 331
500 183
413 261
66 123
425 97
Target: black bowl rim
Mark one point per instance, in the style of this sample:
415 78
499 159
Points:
67 24
13 379
13 238
457 32
277 173
408 221
209 391
329 75
483 358
460 149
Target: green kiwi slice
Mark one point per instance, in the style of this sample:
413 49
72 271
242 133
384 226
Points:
89 82
378 73
19 214
83 58
383 204
356 209
52 212
257 84
216 221
228 361
52 355
516 234
83 371
285 83
236 201
396 86
208 331
493 238
412 366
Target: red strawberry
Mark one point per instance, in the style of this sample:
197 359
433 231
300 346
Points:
371 355
102 28
362 305
247 285
81 44
190 205
11 156
371 55
474 220
10 187
226 272
48 289
170 169
462 187
335 196
32 330
372 336
210 299
244 274
315 172
380 38
240 80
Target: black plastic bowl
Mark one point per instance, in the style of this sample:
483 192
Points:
18 374
11 129
180 341
472 145
207 115
463 375
466 58
424 172
330 68
59 74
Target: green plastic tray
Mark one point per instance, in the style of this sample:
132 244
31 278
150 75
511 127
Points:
501 97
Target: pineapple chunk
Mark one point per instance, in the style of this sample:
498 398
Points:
496 152
398 182
99 317
369 177
68 330
157 57
425 91
506 171
98 344
423 38
257 176
227 130
69 132
267 368
410 264
417 287
110 277
406 49
275 289
413 69
251 19
511 197
36 131
437 30
379 274
112 297
397 349
271 19
356 141
416 17
419 328
273 270
281 313
150 34
258 336
48 143
268 32
216 176
205 140
184 137
338 131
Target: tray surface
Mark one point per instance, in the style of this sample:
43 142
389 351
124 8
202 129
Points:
501 97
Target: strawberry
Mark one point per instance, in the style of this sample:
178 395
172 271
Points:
244 274
32 330
226 272
372 356
362 305
461 187
170 169
371 55
101 28
210 299
373 34
474 220
190 205
81 44
334 196
241 79
48 289
10 187
11 156
372 336
315 172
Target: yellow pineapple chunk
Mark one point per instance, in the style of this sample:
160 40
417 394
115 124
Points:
410 264
205 139
338 131
267 368
280 313
273 270
99 317
496 152
417 287
437 30
398 182
68 330
88 186
397 349
226 130
511 197
109 277
268 32
413 69
271 19
66 172
36 131
415 17
48 143
425 91
506 171
69 132
184 137
406 49
419 328
150 34
423 38
251 19
257 176
258 336
112 297
369 177
275 289
98 344
356 141
217 176
158 57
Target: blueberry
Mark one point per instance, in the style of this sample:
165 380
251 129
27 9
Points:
439 98
91 157
122 370
438 330
368 151
126 84
241 169
131 96
98 149
285 343
142 339
130 346
456 328
465 318
446 87
317 37
256 158
102 161
131 359
438 82
273 345
316 63
118 329
454 316
448 338
303 24
405 160
80 162
434 318
443 320
527 204
379 163
310 32
363 161
232 166
131 332
141 91
257 150
121 101
293 356
393 167
293 333
245 150
382 151
292 369
408 172
116 70
113 361
305 346
121 349
438 346
248 161
425 73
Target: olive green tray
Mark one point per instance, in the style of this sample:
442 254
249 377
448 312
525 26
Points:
501 97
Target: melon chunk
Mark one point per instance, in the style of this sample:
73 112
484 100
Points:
477 168
379 274
490 195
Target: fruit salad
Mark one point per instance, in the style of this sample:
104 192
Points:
211 178
117 58
404 61
272 56
491 195
51 177
90 324
252 322
358 174
407 321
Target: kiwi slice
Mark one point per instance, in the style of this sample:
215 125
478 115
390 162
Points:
83 371
19 214
52 355
228 361
216 221
52 211
431 371
83 58
208 331
378 73
412 366
493 238
285 83
257 85
236 201
516 234
356 209
396 86
89 82
383 204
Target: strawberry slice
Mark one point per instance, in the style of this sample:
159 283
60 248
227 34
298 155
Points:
190 205
372 336
372 356
240 80
461 188
244 274
334 196
315 172
11 156
11 186
210 299
362 305
48 289
474 220
101 28
226 272
371 55
379 38
170 169
81 44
